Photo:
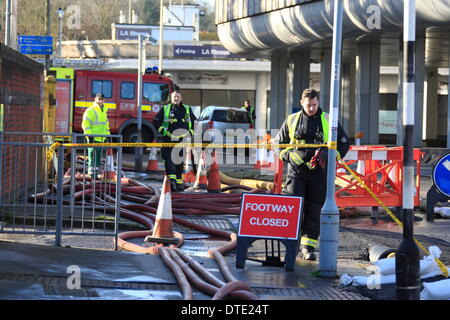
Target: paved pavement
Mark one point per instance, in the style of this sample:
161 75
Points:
32 268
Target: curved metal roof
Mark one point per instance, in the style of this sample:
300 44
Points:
309 23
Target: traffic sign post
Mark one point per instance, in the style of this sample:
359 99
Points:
267 216
440 190
36 45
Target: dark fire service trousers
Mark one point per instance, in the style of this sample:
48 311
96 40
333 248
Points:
171 156
311 185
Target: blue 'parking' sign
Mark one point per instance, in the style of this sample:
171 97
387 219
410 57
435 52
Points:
441 175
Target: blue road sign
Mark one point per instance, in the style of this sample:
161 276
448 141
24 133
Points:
205 51
441 175
34 49
36 40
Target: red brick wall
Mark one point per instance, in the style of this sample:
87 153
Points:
20 94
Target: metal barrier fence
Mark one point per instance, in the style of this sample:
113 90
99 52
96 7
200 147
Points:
57 197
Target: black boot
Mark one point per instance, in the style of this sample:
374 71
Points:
307 253
180 187
173 186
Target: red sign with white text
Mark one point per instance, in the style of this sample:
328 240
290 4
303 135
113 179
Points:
270 216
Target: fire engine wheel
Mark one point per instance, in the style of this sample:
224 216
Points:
130 134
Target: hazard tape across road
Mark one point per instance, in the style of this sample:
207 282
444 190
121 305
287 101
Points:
56 145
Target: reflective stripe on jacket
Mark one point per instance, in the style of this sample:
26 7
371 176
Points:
164 129
95 121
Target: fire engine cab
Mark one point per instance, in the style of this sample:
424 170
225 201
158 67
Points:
76 89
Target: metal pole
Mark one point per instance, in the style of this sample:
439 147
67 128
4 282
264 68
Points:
60 37
59 196
129 12
141 62
8 23
47 31
118 196
161 34
407 256
329 222
448 102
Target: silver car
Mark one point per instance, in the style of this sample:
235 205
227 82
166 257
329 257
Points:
225 124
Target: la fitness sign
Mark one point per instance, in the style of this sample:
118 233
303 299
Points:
270 216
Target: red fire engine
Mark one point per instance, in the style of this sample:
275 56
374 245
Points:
76 89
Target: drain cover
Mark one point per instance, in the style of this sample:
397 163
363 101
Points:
52 290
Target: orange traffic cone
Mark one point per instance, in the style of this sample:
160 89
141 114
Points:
201 181
188 173
278 177
110 174
152 164
163 229
214 177
258 156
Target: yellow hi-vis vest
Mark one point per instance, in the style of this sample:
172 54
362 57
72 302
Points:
95 121
164 129
292 123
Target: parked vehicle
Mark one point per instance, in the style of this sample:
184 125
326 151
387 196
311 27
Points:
76 89
225 124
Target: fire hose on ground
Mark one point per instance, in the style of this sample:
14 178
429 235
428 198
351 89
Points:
144 213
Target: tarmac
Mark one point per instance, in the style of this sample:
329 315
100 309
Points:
32 268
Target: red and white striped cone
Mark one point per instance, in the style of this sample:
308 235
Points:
258 159
214 177
163 229
201 181
152 164
188 172
267 159
110 173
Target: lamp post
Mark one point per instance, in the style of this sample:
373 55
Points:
161 34
141 70
329 220
60 13
8 23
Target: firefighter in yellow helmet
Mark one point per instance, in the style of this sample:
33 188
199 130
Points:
95 122
307 175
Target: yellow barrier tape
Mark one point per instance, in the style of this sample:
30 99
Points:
51 151
332 145
56 145
194 145
442 267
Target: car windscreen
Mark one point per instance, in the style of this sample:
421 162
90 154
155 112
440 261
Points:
231 116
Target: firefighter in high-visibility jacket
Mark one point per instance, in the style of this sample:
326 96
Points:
95 122
307 175
174 122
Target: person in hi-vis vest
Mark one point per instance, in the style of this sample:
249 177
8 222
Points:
95 121
307 174
250 111
169 119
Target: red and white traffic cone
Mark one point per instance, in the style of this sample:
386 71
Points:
110 173
214 177
201 181
163 229
188 172
258 158
152 164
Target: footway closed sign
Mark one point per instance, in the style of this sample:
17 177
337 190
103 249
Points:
270 216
